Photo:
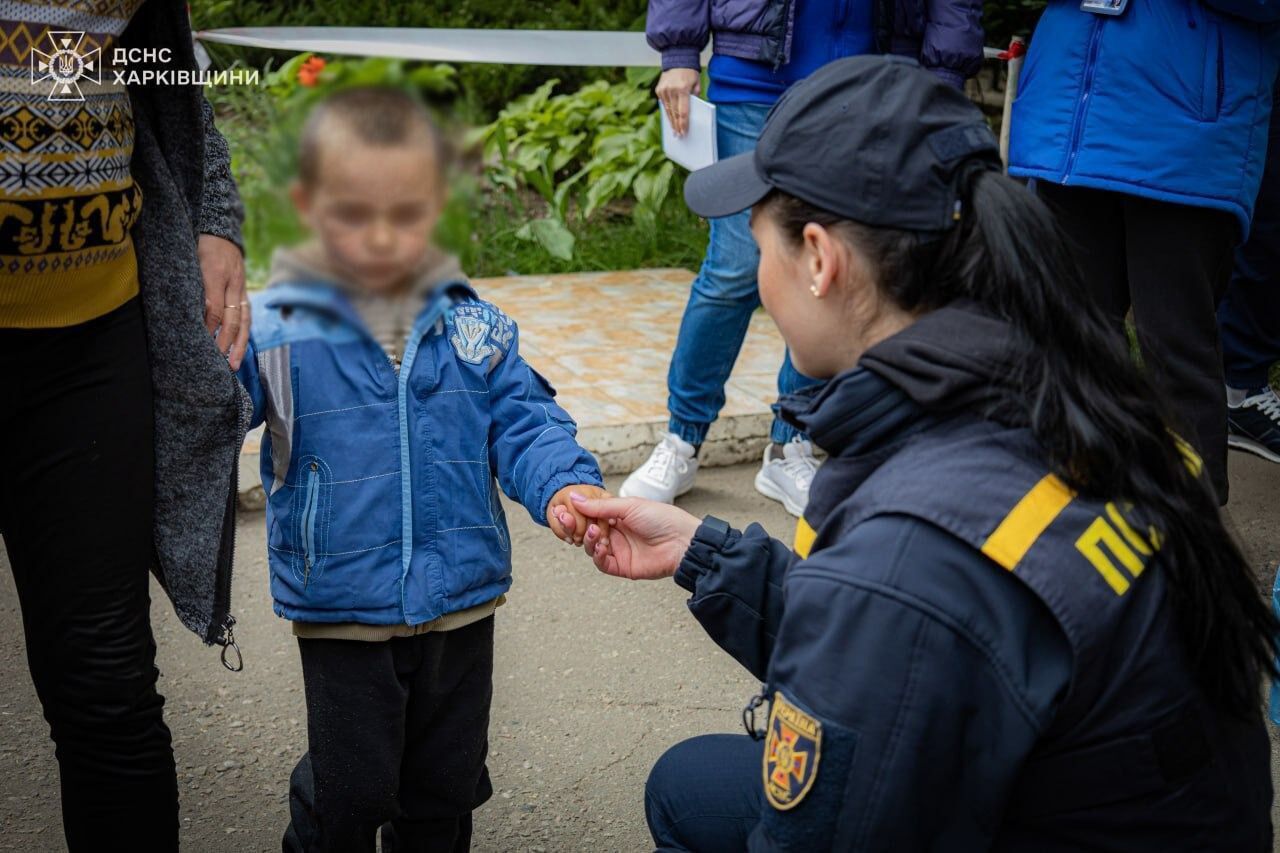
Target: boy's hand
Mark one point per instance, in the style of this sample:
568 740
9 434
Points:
563 517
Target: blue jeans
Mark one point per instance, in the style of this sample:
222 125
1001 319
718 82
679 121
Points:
720 305
705 794
1249 314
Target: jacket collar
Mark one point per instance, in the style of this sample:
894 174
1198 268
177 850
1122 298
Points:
952 361
326 297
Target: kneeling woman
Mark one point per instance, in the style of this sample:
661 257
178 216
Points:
1012 619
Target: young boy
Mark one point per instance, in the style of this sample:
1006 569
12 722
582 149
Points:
393 396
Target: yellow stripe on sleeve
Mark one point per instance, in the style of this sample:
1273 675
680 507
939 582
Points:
805 536
1026 521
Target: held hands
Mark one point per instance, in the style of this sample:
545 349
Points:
633 538
564 519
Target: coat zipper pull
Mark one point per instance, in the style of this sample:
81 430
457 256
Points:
749 713
230 644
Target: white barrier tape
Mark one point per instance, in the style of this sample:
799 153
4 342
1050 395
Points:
506 47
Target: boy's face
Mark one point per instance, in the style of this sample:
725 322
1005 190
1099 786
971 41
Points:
374 208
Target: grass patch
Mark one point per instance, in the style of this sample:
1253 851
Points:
482 230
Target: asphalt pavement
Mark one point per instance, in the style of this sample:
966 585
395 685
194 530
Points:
595 678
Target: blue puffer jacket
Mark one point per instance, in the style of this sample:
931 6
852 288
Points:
945 36
1168 101
381 501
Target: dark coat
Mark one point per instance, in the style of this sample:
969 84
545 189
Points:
962 652
183 167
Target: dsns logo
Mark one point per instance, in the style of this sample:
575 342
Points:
65 66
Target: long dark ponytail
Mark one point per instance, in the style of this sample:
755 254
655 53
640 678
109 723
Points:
1102 428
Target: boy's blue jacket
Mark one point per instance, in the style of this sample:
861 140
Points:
381 505
1168 101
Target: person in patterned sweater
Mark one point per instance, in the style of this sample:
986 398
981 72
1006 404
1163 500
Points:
120 422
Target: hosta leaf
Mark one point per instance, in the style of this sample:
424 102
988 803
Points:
553 236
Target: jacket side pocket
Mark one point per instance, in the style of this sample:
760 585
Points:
1213 81
313 519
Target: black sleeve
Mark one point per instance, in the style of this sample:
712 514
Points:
736 581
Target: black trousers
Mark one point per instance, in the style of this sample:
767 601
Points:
76 499
1171 264
398 732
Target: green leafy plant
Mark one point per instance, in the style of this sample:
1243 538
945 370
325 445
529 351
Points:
580 152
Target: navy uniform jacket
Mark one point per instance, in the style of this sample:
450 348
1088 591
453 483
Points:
960 655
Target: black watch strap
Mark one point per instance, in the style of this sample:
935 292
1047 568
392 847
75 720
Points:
712 532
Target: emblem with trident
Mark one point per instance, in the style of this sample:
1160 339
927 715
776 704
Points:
65 65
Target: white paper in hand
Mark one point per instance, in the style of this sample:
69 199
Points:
697 148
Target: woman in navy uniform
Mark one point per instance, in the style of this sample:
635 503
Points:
1011 618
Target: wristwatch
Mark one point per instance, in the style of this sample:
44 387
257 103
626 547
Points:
712 532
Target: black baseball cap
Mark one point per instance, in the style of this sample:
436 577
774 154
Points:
875 139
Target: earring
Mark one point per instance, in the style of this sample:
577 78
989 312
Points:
813 288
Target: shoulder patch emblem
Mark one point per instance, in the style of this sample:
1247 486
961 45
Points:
470 336
480 333
791 752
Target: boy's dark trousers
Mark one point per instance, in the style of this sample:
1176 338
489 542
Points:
1170 263
398 734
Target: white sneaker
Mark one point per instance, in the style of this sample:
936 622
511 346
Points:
667 475
787 479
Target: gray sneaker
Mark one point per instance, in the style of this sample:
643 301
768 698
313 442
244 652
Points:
667 475
787 479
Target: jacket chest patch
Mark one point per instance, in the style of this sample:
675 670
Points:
791 753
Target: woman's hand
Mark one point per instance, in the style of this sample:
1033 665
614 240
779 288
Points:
634 538
673 90
226 310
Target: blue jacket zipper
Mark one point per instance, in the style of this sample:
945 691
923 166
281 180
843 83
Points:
419 331
1082 105
309 523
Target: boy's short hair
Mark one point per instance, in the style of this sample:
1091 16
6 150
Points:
378 115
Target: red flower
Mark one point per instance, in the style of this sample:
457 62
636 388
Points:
309 73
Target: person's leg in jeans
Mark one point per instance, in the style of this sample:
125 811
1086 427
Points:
705 794
1249 318
443 777
723 297
1179 265
1249 313
76 512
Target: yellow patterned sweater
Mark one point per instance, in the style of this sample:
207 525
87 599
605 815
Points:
67 199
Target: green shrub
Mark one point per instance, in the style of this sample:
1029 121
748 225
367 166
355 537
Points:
580 152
